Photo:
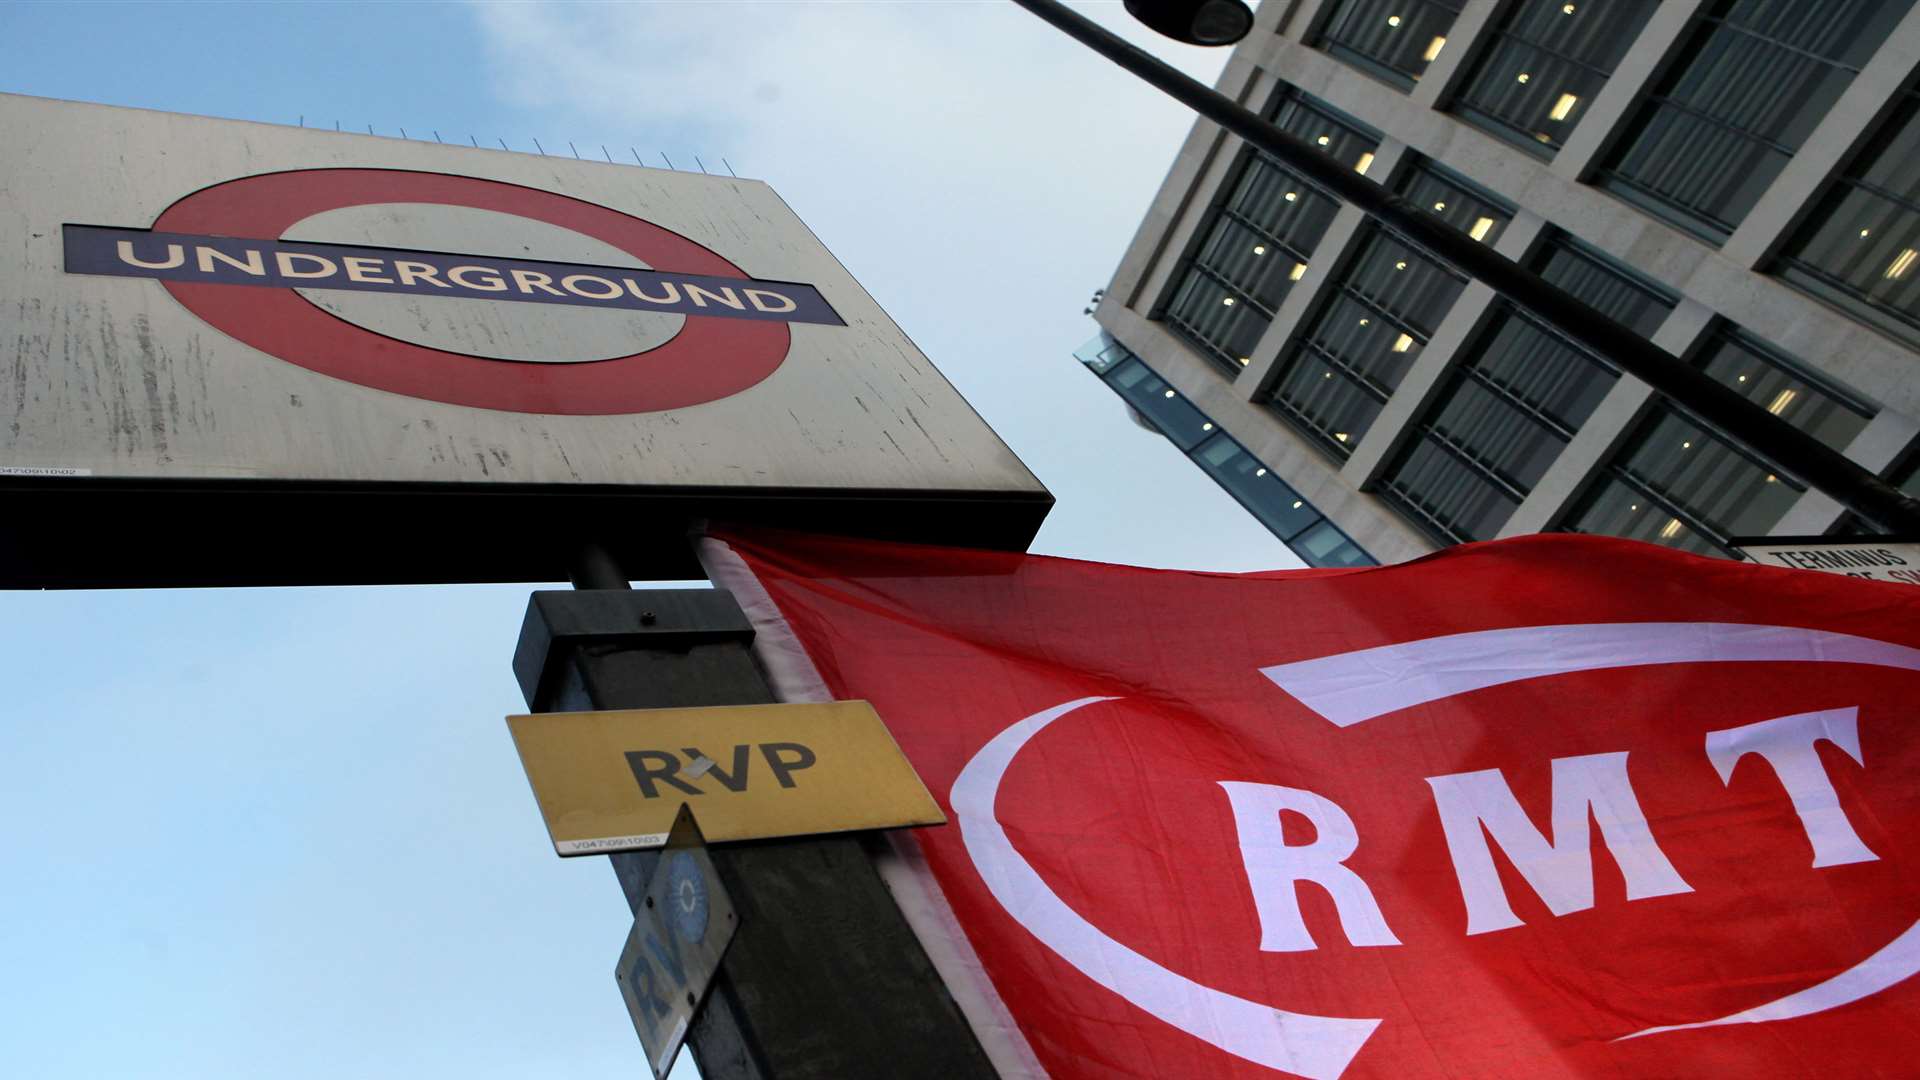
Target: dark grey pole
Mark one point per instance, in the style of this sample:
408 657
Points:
1793 450
594 567
824 979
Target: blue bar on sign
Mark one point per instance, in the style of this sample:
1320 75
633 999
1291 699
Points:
225 260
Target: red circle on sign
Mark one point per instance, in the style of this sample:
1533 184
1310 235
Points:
710 358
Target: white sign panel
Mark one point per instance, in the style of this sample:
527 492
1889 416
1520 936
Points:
1873 559
222 305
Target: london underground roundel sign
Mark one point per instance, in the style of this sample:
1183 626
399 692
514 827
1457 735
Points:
219 251
482 353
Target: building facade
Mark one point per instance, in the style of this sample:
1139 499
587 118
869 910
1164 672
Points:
1737 180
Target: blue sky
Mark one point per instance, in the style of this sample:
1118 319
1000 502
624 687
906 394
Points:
283 832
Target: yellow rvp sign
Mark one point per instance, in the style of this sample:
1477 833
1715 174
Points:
613 781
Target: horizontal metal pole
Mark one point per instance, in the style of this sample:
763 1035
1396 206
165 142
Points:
1694 391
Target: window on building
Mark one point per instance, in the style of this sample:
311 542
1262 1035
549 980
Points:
1392 39
1546 61
1276 505
1784 387
1675 483
1752 81
1258 240
1859 249
1151 397
1500 422
1603 284
1325 545
1358 348
1473 210
1268 498
1265 495
1102 353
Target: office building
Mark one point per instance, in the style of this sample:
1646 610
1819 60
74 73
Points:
1739 181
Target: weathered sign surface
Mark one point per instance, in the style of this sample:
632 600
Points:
243 353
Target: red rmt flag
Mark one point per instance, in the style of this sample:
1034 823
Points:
1554 805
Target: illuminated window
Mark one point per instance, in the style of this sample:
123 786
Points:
1268 498
1155 401
1543 63
1859 248
1785 387
1264 495
1392 39
1752 81
1258 241
1678 484
1471 209
1502 418
1352 357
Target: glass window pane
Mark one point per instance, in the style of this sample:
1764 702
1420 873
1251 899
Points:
1412 289
1615 509
1541 372
1753 79
1444 493
1394 39
1347 553
1499 440
1101 353
1320 543
1327 403
1151 397
1258 241
1218 316
1477 213
1702 477
1264 495
1767 377
1861 246
1604 284
1347 141
1359 346
1500 422
1248 261
1546 61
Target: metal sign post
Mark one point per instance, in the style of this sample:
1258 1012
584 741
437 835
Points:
824 978
431 363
